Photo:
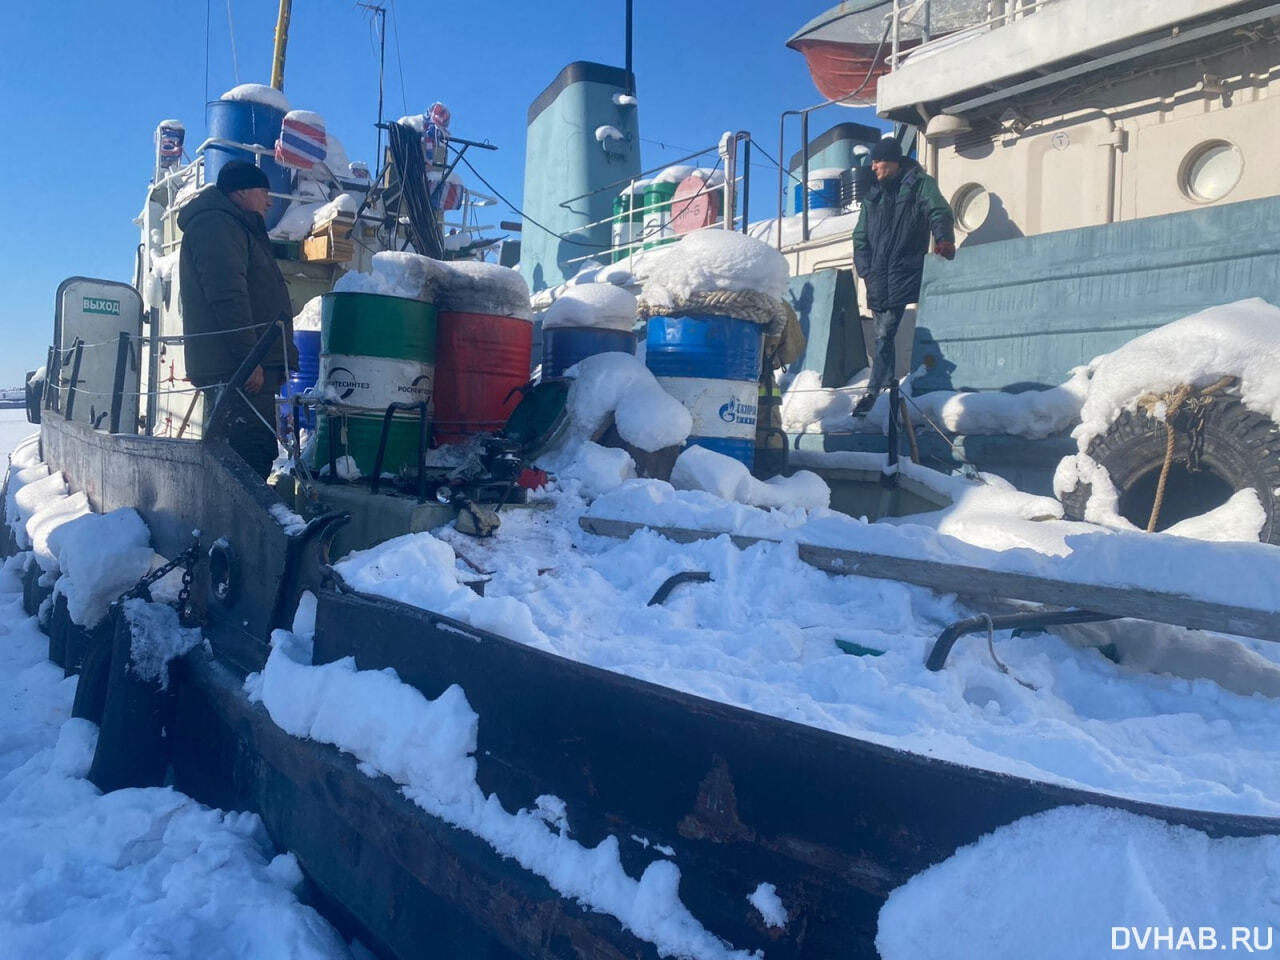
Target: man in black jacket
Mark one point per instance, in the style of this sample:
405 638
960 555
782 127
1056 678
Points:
889 245
231 290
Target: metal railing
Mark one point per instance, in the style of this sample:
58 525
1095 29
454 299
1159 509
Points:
919 14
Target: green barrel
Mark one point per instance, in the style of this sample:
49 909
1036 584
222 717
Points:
657 213
628 223
374 350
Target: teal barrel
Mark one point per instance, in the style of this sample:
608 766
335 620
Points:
711 364
374 351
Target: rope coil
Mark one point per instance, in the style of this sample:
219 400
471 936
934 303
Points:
750 305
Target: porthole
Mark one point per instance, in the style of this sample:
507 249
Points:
972 206
1211 171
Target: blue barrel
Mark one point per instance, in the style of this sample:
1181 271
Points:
245 121
823 195
711 365
302 379
562 347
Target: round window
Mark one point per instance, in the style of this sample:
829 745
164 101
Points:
972 206
1211 170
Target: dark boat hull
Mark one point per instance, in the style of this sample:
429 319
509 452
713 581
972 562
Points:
740 798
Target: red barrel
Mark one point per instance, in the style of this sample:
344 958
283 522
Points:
480 360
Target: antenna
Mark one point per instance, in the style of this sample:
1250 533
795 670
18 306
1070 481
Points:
381 13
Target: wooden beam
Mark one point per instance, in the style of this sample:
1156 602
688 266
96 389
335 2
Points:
1119 601
978 582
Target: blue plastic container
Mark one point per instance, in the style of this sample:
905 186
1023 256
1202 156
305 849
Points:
302 379
247 122
562 347
711 365
824 197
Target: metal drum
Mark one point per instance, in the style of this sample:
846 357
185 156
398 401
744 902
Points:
480 361
711 364
656 228
374 351
245 121
562 347
824 190
628 220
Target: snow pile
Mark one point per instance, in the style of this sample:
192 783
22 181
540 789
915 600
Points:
593 470
1083 882
51 513
1240 339
344 204
674 173
807 406
395 274
309 317
427 746
619 385
258 93
290 522
708 261
471 286
698 468
156 639
823 222
20 477
656 503
134 873
766 900
599 305
100 555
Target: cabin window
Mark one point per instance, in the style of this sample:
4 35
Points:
1211 171
972 205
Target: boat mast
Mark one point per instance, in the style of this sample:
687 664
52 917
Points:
282 41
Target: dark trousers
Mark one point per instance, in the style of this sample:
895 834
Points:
246 433
883 359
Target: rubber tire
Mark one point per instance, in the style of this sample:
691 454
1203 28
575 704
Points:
1241 447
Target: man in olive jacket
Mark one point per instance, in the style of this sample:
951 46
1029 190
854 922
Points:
891 239
231 289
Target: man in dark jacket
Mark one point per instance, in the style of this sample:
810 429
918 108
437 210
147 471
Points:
231 290
890 241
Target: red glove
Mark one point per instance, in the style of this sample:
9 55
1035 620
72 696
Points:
945 248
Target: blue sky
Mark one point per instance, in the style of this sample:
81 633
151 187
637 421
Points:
85 82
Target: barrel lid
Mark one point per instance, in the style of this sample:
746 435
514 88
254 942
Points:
695 205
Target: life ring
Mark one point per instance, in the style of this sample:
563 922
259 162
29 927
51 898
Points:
1230 449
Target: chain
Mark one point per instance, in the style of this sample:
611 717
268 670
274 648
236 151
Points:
187 559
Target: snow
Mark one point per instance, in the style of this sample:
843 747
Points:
825 173
618 384
597 305
308 117
309 317
100 555
394 274
1082 882
259 93
674 173
427 747
698 468
707 261
609 132
471 286
765 899
288 520
343 204
157 639
1240 339
134 873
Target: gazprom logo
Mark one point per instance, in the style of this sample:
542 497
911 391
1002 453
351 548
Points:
110 308
735 411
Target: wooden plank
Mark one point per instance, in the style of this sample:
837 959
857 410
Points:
623 529
1118 601
1153 605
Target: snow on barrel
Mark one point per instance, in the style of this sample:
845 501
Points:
484 330
248 115
710 302
585 320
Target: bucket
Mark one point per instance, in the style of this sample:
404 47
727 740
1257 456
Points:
656 228
375 350
480 360
711 364
562 347
244 121
302 379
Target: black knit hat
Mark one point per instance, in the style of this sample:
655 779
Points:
238 175
886 149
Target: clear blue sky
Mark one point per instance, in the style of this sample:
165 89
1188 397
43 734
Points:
85 82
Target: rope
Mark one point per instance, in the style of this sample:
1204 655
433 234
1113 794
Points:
750 305
1173 403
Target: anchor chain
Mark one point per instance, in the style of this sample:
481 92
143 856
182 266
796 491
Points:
187 560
